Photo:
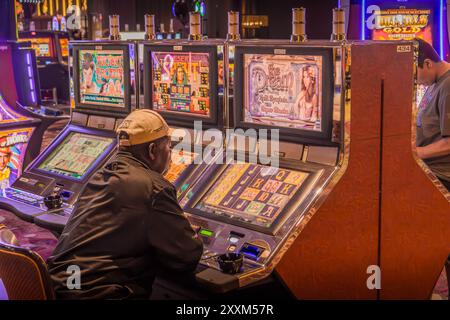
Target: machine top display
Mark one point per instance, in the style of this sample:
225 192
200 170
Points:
181 82
290 89
102 77
283 91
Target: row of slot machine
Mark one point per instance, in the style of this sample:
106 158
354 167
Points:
52 54
298 89
234 206
24 122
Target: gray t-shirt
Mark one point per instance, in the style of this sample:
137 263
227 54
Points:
433 123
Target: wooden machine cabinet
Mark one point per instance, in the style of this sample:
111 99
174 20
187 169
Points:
385 210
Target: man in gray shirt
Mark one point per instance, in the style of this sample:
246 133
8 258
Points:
433 118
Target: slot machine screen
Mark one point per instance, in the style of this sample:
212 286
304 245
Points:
403 24
64 43
101 77
251 193
180 162
180 82
283 91
42 46
75 156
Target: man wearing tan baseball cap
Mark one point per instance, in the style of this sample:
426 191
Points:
127 223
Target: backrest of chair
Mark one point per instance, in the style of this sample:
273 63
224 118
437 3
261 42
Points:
23 274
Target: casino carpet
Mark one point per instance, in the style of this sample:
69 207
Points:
43 241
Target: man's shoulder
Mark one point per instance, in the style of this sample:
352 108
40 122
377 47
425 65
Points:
141 173
130 171
159 182
444 86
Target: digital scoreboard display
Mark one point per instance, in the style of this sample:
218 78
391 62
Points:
75 155
180 82
252 193
101 77
283 91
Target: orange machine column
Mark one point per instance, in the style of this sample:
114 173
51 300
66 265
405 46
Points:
415 219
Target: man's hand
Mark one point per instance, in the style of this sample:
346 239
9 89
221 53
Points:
436 149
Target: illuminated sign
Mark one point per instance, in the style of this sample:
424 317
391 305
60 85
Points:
402 24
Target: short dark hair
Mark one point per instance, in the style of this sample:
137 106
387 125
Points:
426 51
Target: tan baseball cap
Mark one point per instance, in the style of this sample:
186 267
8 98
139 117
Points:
143 126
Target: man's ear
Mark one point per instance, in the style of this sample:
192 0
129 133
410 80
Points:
151 151
428 63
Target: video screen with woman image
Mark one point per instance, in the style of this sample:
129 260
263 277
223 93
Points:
283 90
181 82
101 76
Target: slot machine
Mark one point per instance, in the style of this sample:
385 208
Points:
183 83
252 208
313 223
104 93
23 121
52 54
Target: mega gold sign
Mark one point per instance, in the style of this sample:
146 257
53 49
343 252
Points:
410 21
402 24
